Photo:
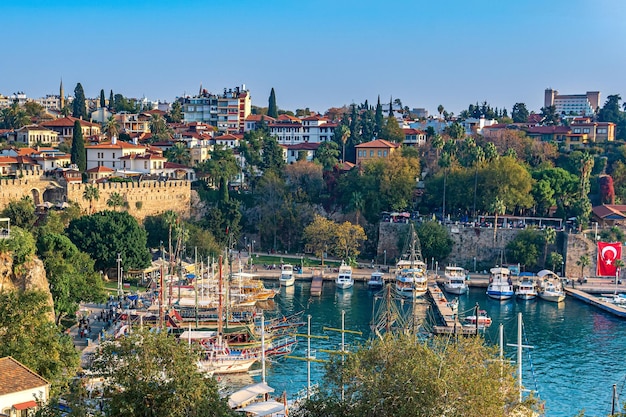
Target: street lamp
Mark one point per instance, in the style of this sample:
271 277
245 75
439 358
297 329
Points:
432 263
385 254
562 267
436 267
474 264
252 247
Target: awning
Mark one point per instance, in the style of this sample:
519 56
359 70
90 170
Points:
247 394
265 408
24 406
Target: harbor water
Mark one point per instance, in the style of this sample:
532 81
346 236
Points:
577 356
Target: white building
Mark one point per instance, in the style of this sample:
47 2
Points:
20 389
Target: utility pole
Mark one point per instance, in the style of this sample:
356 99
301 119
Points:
120 291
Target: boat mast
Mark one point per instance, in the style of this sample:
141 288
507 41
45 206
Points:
519 347
220 300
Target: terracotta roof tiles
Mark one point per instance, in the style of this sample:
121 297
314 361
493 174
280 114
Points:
15 377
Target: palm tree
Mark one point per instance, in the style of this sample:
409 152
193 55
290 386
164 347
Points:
90 194
345 133
583 262
179 154
549 237
497 207
116 200
444 163
111 127
440 110
357 203
159 128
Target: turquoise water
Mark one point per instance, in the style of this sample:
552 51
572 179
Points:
577 357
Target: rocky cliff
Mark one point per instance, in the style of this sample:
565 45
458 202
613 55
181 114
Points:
29 276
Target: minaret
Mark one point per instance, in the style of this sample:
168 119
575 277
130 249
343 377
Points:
62 95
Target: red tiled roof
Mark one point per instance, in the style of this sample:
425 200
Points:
307 146
378 143
613 210
315 117
547 130
15 377
68 122
286 117
101 169
258 117
413 132
143 156
173 165
228 136
7 160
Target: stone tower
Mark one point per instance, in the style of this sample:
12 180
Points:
61 96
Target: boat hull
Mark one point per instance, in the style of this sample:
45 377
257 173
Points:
456 289
553 298
287 281
220 366
344 285
499 295
525 296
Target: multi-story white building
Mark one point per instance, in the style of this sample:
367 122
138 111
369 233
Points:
572 104
65 127
290 130
227 111
108 154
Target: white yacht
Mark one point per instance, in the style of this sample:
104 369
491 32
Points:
411 278
500 284
550 286
455 280
526 288
287 279
344 277
377 280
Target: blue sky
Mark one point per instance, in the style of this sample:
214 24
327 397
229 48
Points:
318 54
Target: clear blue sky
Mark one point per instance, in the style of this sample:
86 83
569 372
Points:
318 54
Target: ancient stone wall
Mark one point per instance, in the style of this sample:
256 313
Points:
578 245
146 198
30 183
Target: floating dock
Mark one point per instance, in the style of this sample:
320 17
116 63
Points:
614 309
316 285
449 318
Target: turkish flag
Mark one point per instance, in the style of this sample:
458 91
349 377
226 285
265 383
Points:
608 253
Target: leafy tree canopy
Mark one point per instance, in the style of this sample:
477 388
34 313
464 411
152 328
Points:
435 240
107 233
151 373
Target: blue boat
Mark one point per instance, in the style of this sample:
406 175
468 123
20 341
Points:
500 284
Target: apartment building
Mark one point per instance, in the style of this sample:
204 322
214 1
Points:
227 111
576 104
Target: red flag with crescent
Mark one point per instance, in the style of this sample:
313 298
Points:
608 253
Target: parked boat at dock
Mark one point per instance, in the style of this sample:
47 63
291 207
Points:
483 320
287 279
411 276
526 287
550 286
377 280
455 280
500 284
344 276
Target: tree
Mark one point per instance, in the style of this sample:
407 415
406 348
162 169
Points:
357 204
178 154
29 336
102 99
221 165
70 274
90 194
34 109
79 105
21 212
111 127
440 110
549 116
379 120
497 207
343 132
272 109
13 117
555 259
525 248
107 233
272 156
348 238
435 378
159 128
583 262
152 374
319 235
455 131
78 155
116 200
327 154
549 237
435 240
270 197
520 113
305 181
175 115
111 102
392 130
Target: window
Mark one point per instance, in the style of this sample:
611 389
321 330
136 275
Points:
113 155
586 130
384 153
602 130
145 165
113 164
577 130
380 153
371 154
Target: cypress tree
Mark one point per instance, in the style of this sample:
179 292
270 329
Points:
272 110
78 154
102 100
379 120
79 108
111 100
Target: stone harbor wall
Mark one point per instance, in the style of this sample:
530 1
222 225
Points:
146 198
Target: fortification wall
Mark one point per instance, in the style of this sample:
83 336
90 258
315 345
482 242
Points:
30 183
146 198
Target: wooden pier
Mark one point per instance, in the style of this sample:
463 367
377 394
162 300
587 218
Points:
614 309
448 317
317 284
